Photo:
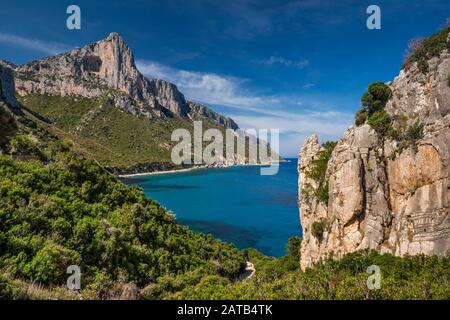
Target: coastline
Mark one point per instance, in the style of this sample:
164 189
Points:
160 172
195 168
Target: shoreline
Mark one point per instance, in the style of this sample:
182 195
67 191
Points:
158 172
195 168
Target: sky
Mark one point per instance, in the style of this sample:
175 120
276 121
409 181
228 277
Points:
300 66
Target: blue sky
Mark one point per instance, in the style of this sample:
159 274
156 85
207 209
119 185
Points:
298 66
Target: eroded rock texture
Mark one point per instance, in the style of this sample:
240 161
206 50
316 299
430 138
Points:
8 105
386 194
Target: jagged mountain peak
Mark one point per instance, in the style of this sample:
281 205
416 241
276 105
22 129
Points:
114 36
108 67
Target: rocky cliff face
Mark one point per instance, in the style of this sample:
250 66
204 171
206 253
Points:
105 68
386 194
198 111
8 103
7 92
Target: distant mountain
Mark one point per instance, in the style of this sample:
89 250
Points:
108 67
97 97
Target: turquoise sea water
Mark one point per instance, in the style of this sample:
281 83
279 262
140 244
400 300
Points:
235 204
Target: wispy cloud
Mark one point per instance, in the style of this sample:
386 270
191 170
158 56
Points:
296 127
308 85
46 47
208 88
277 60
295 116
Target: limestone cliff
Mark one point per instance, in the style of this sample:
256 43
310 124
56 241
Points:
7 92
387 193
107 67
8 105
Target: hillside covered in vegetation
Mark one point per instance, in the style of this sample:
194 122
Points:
60 207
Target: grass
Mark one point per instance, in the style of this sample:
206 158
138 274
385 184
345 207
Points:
105 133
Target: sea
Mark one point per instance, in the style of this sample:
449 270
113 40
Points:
235 204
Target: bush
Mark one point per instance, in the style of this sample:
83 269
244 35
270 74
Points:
427 49
318 170
381 122
319 227
25 145
376 97
323 193
49 265
8 125
448 80
415 131
73 212
360 117
293 247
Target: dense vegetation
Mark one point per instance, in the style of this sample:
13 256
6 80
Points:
7 124
103 132
424 50
418 277
68 210
71 211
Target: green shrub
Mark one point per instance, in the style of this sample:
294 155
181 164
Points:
319 227
323 193
448 80
427 49
8 125
360 117
293 247
381 122
25 145
73 212
318 170
376 97
50 263
415 131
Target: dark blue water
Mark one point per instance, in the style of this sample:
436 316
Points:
236 204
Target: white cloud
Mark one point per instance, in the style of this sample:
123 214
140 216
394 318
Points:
46 47
295 128
296 117
301 64
208 88
322 123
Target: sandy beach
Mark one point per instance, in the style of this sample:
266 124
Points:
194 168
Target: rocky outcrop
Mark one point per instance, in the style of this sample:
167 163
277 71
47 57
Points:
198 112
7 92
387 194
8 103
106 68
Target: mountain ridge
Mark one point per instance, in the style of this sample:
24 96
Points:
96 97
103 67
